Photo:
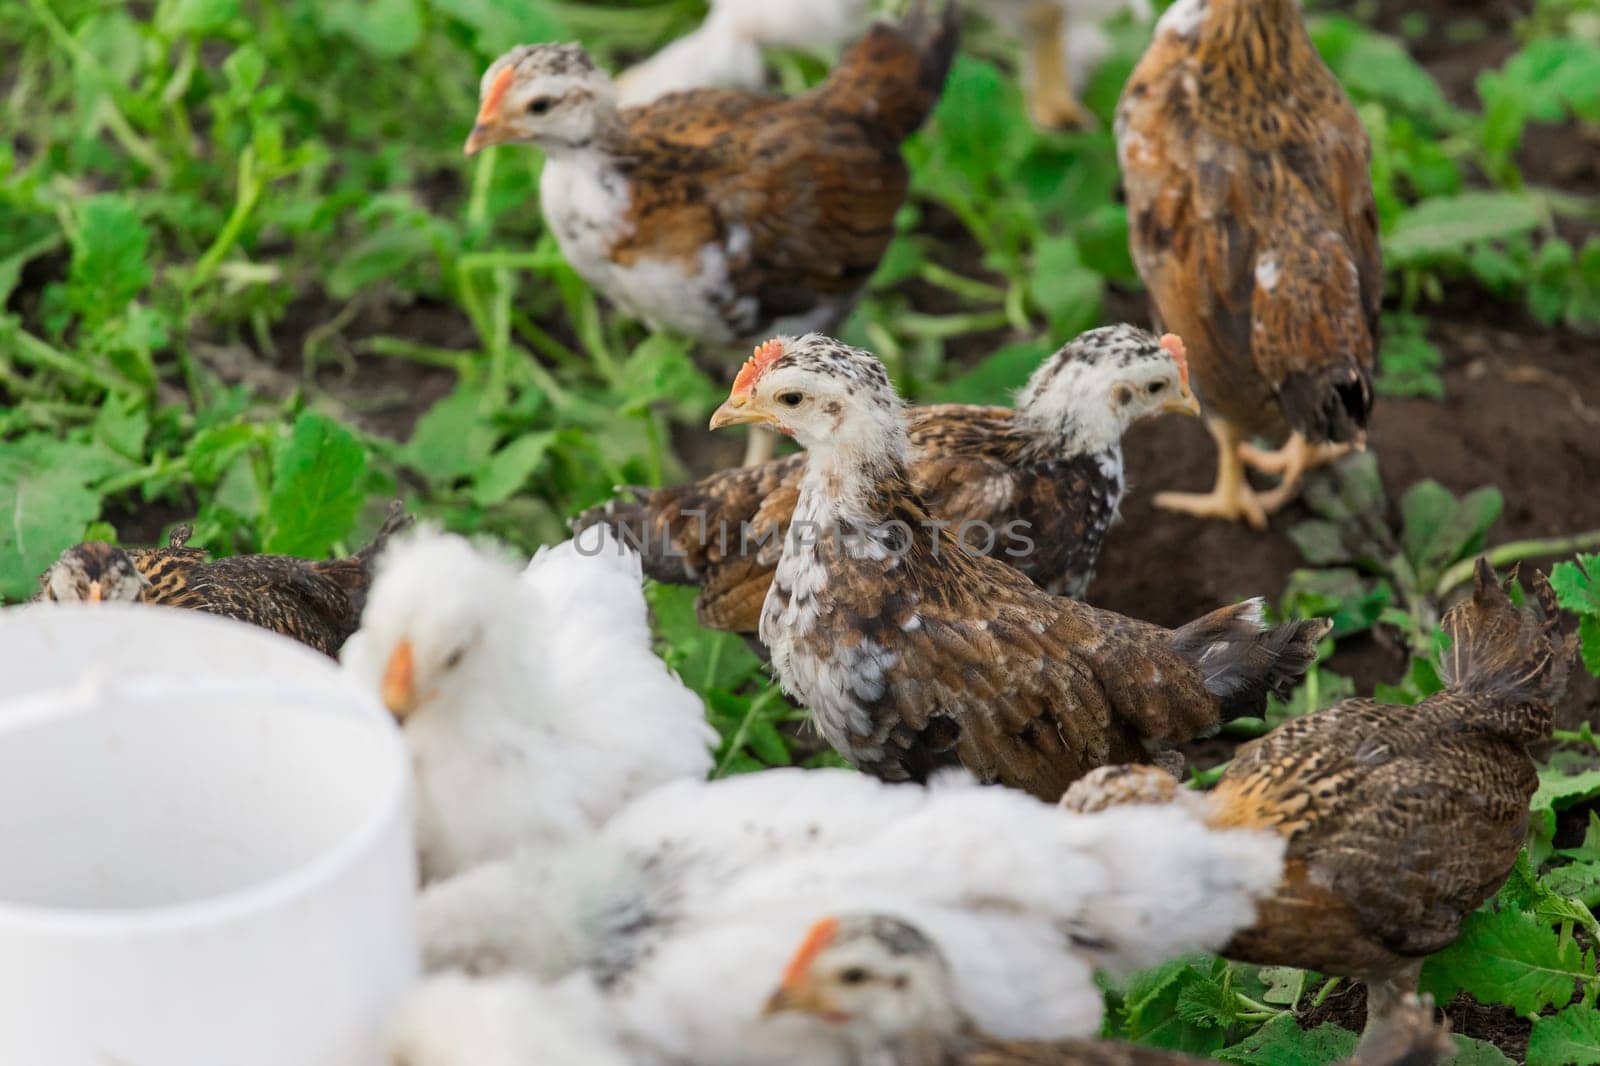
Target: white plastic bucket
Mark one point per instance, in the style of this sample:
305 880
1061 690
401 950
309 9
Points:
201 873
49 646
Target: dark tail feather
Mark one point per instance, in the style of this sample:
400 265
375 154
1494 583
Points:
396 521
896 72
632 516
1516 657
1330 404
1243 661
354 572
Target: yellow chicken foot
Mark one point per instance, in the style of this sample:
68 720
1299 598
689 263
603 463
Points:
1232 497
758 449
1291 463
1051 102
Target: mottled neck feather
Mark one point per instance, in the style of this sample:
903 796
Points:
846 473
1266 38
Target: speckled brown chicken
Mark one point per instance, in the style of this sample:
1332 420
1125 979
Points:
1252 223
1400 820
316 602
1052 467
719 215
913 653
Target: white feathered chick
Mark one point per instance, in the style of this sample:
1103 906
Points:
508 1020
687 903
724 52
532 703
1062 44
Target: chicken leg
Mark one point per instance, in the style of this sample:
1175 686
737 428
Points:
1232 497
1051 102
1291 463
1389 995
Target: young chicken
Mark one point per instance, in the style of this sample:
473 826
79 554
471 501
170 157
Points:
683 906
913 653
886 985
1251 221
532 702
1399 820
723 216
1050 472
313 601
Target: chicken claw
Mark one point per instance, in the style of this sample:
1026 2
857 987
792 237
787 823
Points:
1291 463
1232 497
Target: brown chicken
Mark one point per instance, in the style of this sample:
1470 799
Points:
913 653
1400 820
888 986
1251 220
1051 468
718 215
318 603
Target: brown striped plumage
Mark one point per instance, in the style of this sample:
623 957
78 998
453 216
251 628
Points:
317 602
1051 470
1401 820
1252 224
913 653
719 214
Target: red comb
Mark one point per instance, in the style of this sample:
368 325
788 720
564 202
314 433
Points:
497 92
1174 346
756 365
820 936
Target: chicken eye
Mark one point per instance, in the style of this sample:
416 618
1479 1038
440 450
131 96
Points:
790 399
453 660
1156 386
540 104
855 975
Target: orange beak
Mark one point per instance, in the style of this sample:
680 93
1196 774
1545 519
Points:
736 411
96 592
399 689
1184 403
486 129
801 996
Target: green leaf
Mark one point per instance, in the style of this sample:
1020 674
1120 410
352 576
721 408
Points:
996 379
1452 224
1574 586
1558 791
1470 1052
511 466
1507 957
453 439
110 246
1282 1041
122 425
1321 542
198 17
45 503
1571 1038
1577 880
1589 850
1068 291
660 371
386 28
316 488
214 448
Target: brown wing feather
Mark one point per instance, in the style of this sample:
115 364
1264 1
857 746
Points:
1252 223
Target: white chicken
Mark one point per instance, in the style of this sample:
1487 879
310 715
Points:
532 703
724 52
1062 43
507 1020
687 903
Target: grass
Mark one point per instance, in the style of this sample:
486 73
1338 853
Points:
247 278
